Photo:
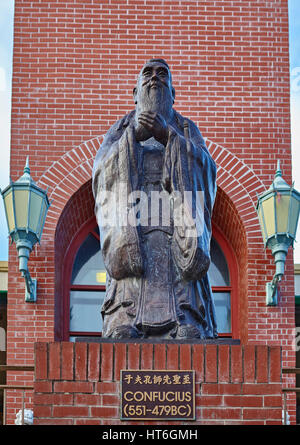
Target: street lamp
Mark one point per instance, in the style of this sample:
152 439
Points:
278 212
26 207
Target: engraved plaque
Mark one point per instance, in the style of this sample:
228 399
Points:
157 395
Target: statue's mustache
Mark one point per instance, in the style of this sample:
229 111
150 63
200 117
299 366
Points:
153 82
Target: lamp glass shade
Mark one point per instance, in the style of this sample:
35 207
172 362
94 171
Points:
282 212
21 207
261 222
268 216
36 207
9 209
43 213
294 215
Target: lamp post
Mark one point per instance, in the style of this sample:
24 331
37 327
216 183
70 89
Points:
26 207
278 212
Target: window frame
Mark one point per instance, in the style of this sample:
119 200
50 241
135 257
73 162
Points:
89 226
70 257
230 257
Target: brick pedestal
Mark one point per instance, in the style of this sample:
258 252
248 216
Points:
79 383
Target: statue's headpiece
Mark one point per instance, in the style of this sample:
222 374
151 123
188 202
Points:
159 61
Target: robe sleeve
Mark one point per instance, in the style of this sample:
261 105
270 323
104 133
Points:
189 174
114 173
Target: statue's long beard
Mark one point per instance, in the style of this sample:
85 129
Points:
158 100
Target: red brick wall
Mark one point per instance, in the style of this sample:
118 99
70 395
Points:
75 65
79 383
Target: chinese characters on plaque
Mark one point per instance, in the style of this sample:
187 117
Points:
148 395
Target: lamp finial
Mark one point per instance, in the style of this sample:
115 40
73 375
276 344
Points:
278 171
26 177
26 168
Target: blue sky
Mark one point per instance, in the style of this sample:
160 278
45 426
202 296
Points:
294 18
6 41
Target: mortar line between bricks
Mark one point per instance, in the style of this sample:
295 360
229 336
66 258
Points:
153 361
73 361
48 360
87 363
243 365
217 364
229 365
269 363
100 362
60 361
166 356
255 363
281 380
113 361
153 357
204 363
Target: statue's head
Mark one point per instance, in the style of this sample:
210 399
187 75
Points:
154 85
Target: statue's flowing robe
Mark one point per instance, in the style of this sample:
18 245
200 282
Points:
157 278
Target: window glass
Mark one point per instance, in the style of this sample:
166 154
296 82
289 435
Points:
223 311
89 270
218 270
85 307
88 267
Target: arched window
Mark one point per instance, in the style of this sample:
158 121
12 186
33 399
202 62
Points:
85 284
86 277
224 282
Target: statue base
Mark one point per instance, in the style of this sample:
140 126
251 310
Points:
83 383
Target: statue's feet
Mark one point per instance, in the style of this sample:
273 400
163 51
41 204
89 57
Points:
187 332
125 332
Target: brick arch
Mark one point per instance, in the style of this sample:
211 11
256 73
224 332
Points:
238 181
76 213
69 186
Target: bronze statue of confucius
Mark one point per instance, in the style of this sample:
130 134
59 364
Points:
157 283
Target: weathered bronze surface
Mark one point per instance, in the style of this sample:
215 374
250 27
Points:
157 284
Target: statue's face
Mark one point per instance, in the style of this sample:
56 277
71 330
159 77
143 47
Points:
154 82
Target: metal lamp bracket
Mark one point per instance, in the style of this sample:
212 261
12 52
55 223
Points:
30 288
272 291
